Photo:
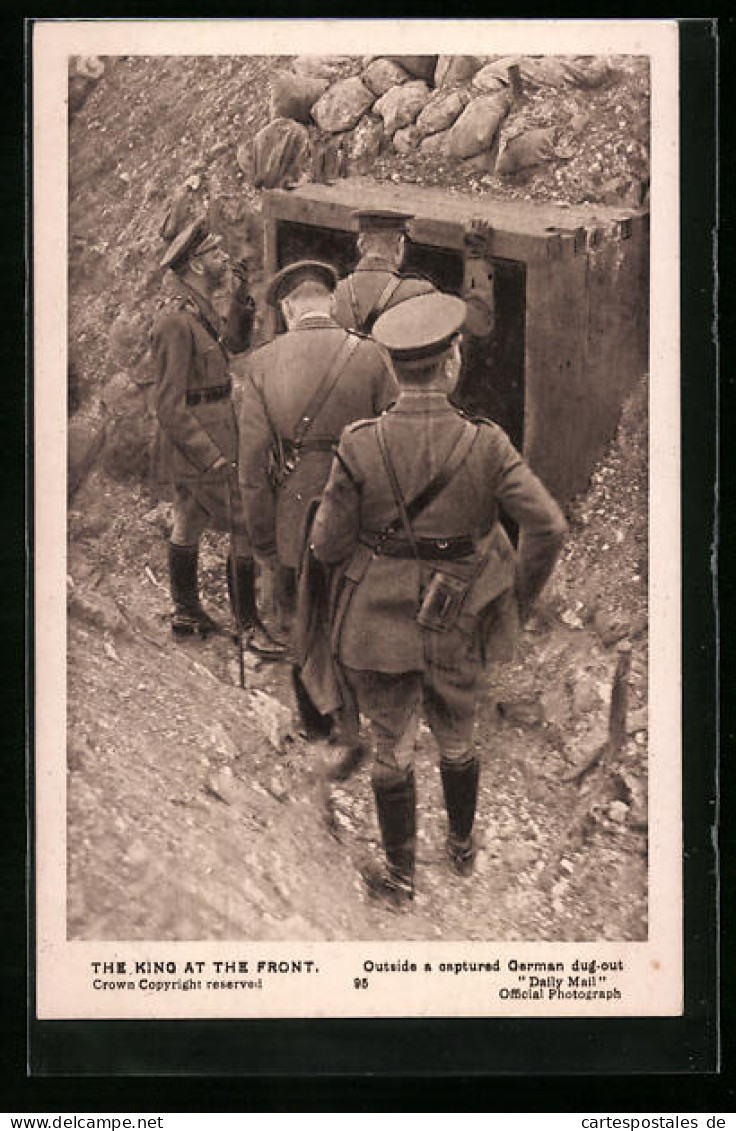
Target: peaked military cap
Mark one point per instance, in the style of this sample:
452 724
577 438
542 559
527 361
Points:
381 220
419 329
195 239
294 274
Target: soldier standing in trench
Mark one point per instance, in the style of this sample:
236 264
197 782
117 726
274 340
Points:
431 588
376 284
196 447
300 391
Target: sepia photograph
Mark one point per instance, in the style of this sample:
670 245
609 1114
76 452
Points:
350 429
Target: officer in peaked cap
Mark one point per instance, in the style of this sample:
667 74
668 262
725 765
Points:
377 284
431 589
197 444
300 391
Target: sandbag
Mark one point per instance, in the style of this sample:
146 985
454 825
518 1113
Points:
454 69
342 105
382 74
293 95
420 66
442 111
365 140
321 66
406 140
402 105
477 126
281 153
534 147
436 145
490 78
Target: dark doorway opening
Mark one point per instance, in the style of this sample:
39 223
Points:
492 380
305 241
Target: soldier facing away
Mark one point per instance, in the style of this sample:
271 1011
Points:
376 284
431 587
196 447
301 389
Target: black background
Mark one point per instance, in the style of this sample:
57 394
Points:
649 1064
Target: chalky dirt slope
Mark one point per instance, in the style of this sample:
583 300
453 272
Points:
196 810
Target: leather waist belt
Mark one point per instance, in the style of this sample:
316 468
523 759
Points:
428 549
318 445
209 396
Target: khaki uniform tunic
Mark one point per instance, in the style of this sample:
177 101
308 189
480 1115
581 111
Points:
357 294
280 381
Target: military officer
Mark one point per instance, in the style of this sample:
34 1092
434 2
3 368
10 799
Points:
431 587
301 389
196 447
376 284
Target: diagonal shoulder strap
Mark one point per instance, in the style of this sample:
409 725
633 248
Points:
354 302
382 302
411 510
342 356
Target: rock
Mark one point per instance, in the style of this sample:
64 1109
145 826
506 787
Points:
482 162
610 627
578 122
222 785
365 141
521 712
420 66
618 811
321 66
272 718
442 111
342 105
281 154
489 79
497 68
89 67
436 144
535 147
454 69
402 105
407 140
382 74
294 95
475 129
571 619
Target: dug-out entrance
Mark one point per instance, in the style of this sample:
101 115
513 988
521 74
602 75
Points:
492 382
571 284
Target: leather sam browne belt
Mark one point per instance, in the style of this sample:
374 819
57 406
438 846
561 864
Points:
428 549
209 396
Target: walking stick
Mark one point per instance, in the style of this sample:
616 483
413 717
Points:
235 585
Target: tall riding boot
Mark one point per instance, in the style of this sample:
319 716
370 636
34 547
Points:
241 587
396 806
316 725
189 616
460 787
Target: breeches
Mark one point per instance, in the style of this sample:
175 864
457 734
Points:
192 517
391 700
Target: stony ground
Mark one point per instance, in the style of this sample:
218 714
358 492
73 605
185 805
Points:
196 810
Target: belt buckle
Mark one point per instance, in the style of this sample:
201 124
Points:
441 544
